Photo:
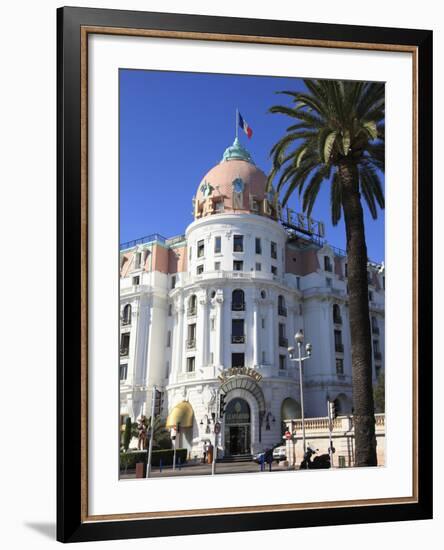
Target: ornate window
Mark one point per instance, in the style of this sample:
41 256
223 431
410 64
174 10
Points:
339 346
191 364
238 359
123 371
238 300
124 344
282 310
273 249
238 243
217 245
192 305
337 319
237 331
126 317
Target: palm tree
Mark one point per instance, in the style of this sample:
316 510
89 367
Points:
338 139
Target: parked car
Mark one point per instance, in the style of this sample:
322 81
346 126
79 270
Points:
280 453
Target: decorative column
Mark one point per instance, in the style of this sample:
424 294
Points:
271 330
202 326
219 300
256 337
178 337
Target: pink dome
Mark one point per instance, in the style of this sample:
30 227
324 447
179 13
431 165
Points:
235 183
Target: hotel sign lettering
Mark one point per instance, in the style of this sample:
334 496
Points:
305 224
240 371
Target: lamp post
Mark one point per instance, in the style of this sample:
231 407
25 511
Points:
299 339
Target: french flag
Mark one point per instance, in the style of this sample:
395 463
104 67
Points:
243 124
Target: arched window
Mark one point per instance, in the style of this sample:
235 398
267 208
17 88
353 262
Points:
282 310
337 319
192 305
238 300
126 317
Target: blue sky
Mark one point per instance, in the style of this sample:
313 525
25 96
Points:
175 126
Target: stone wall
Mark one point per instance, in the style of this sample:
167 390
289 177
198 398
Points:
317 437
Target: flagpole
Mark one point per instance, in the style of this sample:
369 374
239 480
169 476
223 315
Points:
237 122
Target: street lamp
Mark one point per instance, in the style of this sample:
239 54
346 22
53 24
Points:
299 339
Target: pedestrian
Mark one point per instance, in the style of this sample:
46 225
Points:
269 458
205 452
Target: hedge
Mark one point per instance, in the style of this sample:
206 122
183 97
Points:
129 460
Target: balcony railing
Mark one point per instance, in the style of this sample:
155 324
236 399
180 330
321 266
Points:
191 311
375 330
237 339
124 352
282 310
337 320
339 347
236 306
283 341
377 355
126 322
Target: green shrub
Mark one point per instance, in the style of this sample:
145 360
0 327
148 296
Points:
129 460
127 434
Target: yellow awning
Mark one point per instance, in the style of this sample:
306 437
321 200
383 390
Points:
181 413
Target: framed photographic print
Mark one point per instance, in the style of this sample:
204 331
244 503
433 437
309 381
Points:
244 283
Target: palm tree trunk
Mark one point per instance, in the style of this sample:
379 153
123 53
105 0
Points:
363 413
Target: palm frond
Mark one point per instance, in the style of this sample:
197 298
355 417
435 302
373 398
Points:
336 199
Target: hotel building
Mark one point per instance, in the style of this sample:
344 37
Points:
214 311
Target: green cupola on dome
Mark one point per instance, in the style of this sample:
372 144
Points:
237 152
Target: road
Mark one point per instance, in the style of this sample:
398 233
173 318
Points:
205 469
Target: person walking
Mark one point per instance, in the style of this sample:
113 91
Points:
205 452
269 458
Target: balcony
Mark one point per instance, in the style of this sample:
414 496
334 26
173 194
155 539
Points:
282 310
126 322
375 330
191 311
339 347
283 341
337 320
191 343
237 306
377 355
237 339
124 352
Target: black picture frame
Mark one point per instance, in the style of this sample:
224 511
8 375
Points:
71 523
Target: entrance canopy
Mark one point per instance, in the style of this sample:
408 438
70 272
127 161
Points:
181 414
245 383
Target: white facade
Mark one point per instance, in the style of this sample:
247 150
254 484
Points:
232 292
